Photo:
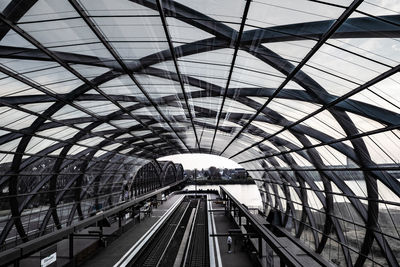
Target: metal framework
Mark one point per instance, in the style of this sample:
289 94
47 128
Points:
15 254
305 95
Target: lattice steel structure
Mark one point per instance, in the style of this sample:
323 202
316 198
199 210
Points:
154 175
303 93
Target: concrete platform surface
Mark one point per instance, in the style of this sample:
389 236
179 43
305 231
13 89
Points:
238 257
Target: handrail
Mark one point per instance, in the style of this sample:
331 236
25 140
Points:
189 239
273 241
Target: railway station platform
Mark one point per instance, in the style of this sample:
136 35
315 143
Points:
223 224
188 228
168 235
86 246
219 224
111 254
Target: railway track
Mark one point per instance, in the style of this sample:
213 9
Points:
172 245
197 250
151 255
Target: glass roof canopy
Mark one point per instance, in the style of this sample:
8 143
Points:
304 94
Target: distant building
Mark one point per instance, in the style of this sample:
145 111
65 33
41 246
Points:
239 173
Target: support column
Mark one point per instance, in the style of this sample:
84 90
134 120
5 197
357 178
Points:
120 222
71 249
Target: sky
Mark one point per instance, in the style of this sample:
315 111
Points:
201 161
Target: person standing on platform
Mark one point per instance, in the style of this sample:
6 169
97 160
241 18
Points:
229 242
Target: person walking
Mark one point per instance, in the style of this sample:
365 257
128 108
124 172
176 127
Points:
229 242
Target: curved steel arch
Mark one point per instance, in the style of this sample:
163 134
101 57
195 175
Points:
57 170
169 137
326 200
55 199
159 169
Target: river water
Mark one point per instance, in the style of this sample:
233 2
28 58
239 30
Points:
250 196
247 194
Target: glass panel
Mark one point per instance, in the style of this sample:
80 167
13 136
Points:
92 142
61 133
157 87
383 147
36 107
334 85
385 94
58 33
48 10
124 123
252 72
212 67
4 4
12 87
226 11
371 48
14 40
10 146
76 149
69 112
301 161
267 13
213 103
111 147
122 85
325 123
89 72
331 156
293 51
37 144
98 107
15 119
267 127
334 61
364 124
182 32
288 136
293 110
103 127
379 8
133 37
